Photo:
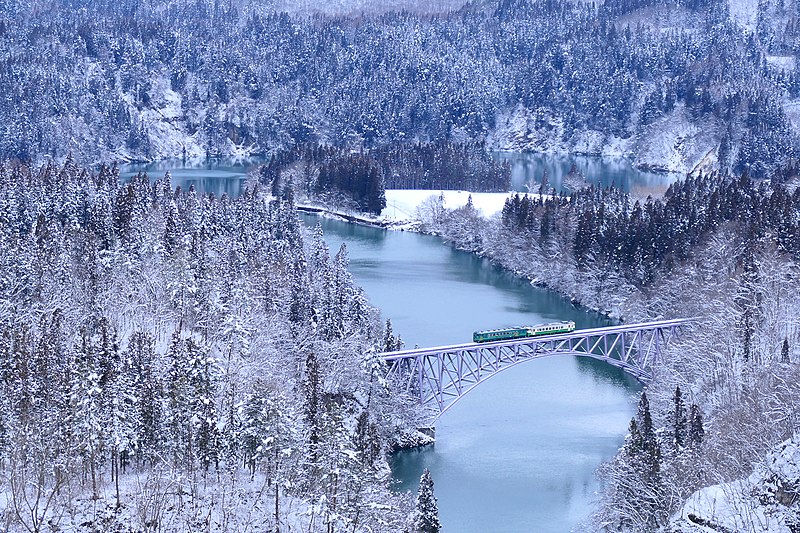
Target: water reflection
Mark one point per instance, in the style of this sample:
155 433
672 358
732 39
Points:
519 452
216 176
528 170
224 175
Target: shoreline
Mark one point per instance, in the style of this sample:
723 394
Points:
353 219
416 226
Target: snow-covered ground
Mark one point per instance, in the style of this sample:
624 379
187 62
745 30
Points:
401 205
781 63
744 12
674 143
764 502
792 110
401 211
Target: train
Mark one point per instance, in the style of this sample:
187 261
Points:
521 332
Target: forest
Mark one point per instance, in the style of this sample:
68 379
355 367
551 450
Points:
720 247
175 361
357 181
172 361
123 81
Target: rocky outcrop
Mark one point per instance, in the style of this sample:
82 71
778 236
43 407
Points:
766 502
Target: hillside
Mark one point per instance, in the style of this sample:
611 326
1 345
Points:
766 501
670 87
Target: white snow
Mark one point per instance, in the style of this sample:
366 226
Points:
343 7
781 63
792 110
729 506
744 12
760 503
674 143
666 19
401 205
176 503
523 129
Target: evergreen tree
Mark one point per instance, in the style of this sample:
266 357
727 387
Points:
390 343
678 420
747 335
202 383
178 405
366 439
299 307
148 385
651 451
426 516
312 404
696 431
646 464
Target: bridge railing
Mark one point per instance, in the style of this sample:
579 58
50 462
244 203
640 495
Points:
439 376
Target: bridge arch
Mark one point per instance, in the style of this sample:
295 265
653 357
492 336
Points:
473 386
438 377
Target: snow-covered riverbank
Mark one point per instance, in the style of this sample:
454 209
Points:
402 206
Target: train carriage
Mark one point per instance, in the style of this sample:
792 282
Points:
503 334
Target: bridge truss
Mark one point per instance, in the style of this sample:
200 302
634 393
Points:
441 375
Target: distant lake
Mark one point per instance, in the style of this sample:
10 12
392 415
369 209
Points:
528 169
218 175
224 175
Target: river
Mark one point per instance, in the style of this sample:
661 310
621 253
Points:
519 453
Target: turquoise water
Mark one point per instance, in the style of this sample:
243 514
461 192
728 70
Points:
527 171
517 454
226 176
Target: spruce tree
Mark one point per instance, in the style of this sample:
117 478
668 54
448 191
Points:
204 414
651 453
647 468
312 405
785 351
389 341
366 439
426 516
747 336
148 385
299 306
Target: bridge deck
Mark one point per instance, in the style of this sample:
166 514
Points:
620 328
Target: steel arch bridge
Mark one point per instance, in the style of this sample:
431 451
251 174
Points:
439 376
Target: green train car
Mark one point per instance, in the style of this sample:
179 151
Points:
504 334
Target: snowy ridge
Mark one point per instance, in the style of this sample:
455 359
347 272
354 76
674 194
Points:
767 501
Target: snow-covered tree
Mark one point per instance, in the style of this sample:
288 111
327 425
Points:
426 514
679 422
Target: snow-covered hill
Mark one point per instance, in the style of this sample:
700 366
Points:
766 502
353 7
672 143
